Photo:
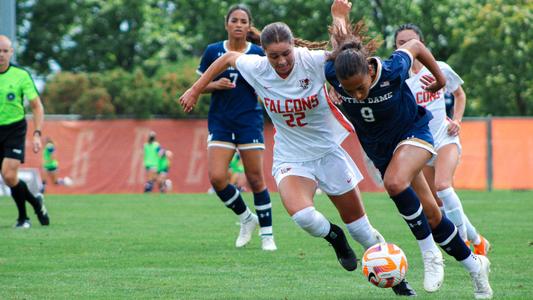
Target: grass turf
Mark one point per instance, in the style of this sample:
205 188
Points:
182 247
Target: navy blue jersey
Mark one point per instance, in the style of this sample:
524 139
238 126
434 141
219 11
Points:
235 108
390 113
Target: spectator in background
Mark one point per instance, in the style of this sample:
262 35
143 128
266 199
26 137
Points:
16 85
236 173
50 166
151 161
165 184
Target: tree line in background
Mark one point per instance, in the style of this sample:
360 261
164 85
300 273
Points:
135 57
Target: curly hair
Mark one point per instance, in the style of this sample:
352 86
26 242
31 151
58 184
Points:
351 49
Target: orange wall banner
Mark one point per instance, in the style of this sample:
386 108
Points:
107 156
512 142
472 170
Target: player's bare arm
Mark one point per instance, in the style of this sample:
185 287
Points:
38 116
420 52
458 111
190 97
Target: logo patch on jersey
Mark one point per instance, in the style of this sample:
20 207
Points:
10 96
285 170
304 83
384 84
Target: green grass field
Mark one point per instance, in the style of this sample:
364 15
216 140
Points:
182 247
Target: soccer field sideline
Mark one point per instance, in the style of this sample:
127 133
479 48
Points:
182 246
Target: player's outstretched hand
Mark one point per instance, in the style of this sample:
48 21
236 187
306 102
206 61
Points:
36 143
188 100
224 84
430 84
341 9
454 127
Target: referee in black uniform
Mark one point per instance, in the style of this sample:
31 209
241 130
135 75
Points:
16 85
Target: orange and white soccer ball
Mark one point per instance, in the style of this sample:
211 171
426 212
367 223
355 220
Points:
384 265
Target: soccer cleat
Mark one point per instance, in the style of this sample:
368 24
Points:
404 289
482 248
247 229
23 224
482 289
433 270
345 254
268 244
42 214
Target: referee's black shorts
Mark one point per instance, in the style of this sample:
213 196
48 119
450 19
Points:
13 140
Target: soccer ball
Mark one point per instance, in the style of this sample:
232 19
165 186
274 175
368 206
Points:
384 265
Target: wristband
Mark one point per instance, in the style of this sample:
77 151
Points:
37 131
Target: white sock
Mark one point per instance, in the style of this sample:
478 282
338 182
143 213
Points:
312 221
454 209
428 244
245 216
362 232
471 232
471 263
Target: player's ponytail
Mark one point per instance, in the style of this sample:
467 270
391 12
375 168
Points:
350 53
254 36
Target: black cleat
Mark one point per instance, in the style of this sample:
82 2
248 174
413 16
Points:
42 214
404 289
344 252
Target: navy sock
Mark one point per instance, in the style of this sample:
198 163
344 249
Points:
232 199
263 208
409 207
18 194
447 236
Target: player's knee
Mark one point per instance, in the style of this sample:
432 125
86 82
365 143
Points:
256 182
218 181
312 221
10 178
395 185
441 185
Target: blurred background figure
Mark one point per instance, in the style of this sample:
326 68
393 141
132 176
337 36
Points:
50 166
151 161
165 184
236 173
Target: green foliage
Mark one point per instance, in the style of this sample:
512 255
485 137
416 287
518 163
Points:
63 90
488 43
495 57
94 102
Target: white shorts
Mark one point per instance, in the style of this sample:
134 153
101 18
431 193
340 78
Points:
441 138
335 173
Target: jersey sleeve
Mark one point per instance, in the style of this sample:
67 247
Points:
248 65
28 88
399 64
318 62
206 61
453 81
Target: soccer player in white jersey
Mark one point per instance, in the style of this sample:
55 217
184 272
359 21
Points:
309 131
445 131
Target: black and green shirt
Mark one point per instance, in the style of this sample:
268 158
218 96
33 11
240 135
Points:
15 85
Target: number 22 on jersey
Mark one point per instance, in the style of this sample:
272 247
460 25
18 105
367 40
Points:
295 119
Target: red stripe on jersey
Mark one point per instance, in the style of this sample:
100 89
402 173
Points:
338 114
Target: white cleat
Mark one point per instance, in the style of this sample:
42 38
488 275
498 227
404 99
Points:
482 289
268 244
247 229
433 270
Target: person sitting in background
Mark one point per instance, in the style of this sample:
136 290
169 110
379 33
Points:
50 166
151 161
165 184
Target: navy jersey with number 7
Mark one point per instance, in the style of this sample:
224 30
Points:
235 108
389 114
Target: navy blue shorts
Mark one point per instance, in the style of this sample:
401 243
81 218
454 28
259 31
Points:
242 139
381 153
